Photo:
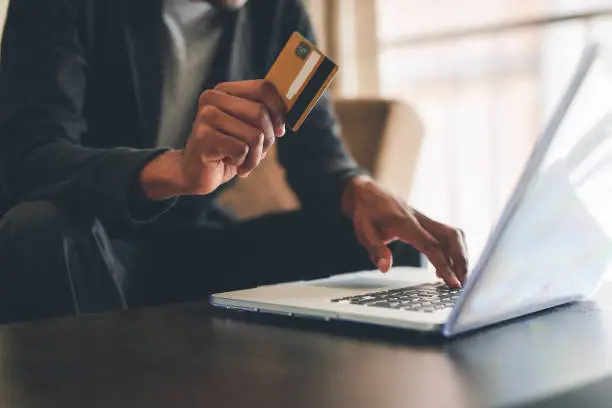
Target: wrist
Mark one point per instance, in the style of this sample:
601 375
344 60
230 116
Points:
350 193
162 177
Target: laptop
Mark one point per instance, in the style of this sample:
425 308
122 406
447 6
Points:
551 245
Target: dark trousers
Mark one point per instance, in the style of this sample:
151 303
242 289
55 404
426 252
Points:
52 264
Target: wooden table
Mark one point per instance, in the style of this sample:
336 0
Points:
192 355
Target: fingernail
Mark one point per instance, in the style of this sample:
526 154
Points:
382 265
454 278
280 131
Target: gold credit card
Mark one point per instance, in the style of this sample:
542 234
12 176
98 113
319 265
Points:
301 73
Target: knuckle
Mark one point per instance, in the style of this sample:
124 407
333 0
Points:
258 139
221 86
442 271
373 243
361 239
260 90
201 142
262 86
268 142
203 131
268 91
211 141
205 97
431 245
262 116
378 250
265 89
397 219
366 241
242 150
209 113
358 232
454 235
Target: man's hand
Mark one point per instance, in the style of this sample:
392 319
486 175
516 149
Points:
236 124
379 218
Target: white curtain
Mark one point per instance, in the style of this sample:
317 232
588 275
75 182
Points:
346 30
3 6
483 98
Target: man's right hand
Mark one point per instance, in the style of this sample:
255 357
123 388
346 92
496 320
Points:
237 122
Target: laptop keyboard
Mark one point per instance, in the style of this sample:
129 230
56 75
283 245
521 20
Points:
423 298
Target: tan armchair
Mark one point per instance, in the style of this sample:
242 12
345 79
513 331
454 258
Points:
384 136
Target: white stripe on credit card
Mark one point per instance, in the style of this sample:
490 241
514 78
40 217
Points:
301 77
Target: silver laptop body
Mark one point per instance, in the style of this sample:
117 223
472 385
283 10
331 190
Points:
552 244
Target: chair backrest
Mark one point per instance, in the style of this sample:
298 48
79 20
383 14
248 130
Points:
385 138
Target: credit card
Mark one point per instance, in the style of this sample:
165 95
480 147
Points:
301 73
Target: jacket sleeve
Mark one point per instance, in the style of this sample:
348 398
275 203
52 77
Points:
42 88
316 162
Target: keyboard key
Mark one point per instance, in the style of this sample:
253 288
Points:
381 304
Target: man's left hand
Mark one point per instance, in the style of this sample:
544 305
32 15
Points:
380 218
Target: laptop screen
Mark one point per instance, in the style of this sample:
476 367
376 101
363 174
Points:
554 241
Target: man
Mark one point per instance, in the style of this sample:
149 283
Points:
120 122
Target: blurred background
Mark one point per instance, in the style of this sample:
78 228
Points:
482 75
480 78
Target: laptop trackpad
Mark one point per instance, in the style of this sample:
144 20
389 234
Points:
352 283
373 280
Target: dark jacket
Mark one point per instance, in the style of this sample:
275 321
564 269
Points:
80 96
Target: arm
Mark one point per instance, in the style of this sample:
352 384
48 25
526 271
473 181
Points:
42 88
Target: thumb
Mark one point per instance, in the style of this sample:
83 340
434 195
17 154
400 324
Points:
374 242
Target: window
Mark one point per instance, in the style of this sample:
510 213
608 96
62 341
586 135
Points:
484 76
